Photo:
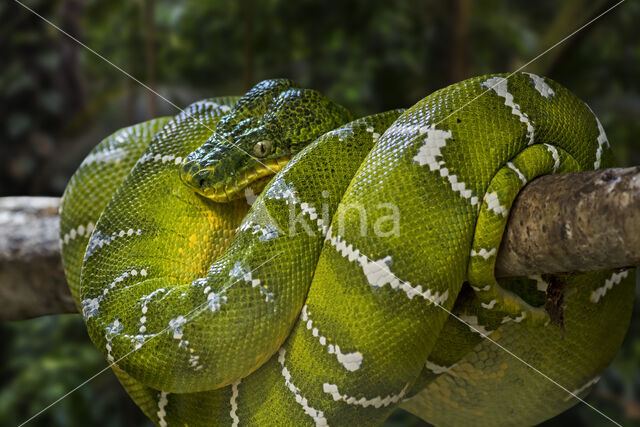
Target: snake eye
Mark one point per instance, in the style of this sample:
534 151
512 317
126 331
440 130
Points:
262 148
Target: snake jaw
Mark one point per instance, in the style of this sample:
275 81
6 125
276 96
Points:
234 189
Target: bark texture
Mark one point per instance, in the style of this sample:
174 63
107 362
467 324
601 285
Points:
573 222
32 281
560 223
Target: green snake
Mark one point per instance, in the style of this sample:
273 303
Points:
269 260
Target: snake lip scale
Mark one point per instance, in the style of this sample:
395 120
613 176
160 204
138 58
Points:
298 306
234 190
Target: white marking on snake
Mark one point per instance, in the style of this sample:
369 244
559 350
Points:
602 141
483 289
99 240
245 274
318 416
194 361
374 135
608 285
108 347
541 86
378 273
209 104
110 155
162 403
428 155
78 231
472 323
499 86
518 172
112 328
282 190
145 299
162 158
437 369
234 403
484 253
376 402
583 388
342 133
555 155
175 324
518 319
541 284
91 306
493 204
215 301
137 340
489 305
350 361
285 191
268 232
401 129
310 210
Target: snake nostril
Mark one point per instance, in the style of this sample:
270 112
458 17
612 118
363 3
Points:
201 182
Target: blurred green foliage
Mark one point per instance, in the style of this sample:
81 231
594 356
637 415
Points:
57 100
45 358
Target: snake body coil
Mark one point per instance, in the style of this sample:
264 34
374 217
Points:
359 280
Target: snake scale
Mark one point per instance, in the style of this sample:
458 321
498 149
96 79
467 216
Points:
269 260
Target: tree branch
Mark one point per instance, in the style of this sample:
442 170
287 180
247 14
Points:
559 223
573 222
32 281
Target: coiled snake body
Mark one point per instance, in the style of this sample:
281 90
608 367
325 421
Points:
328 300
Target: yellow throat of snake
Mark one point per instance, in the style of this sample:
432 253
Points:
254 178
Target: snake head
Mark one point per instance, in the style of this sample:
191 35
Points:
267 126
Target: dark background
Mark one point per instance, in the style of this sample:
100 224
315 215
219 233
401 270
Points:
57 100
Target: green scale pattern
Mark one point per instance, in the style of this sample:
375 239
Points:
231 314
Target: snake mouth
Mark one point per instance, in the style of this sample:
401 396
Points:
255 177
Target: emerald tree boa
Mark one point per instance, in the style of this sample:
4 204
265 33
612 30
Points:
361 277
